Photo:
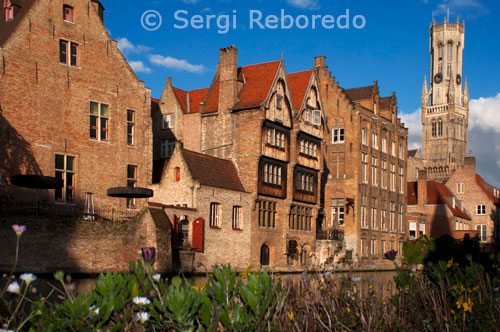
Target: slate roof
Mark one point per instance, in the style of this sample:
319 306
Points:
437 194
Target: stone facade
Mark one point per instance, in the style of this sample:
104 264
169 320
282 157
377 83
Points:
480 199
52 70
365 175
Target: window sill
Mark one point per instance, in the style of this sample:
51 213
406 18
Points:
215 227
334 143
70 66
99 141
238 229
69 22
275 147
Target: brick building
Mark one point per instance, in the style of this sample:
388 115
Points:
480 199
433 209
71 106
365 173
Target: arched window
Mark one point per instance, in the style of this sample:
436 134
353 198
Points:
440 127
440 48
434 131
264 255
450 51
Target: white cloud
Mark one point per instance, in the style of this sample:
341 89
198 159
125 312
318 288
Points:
304 4
484 113
413 122
471 8
126 47
139 67
177 64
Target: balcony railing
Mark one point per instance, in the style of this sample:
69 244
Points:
65 210
334 235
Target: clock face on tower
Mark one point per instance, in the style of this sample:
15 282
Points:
459 79
438 78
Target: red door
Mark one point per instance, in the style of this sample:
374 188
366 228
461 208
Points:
198 235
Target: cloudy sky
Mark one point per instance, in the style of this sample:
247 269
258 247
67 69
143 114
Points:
391 45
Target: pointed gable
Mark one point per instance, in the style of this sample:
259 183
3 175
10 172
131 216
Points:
299 82
487 189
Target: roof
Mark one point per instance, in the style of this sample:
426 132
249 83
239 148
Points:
385 103
412 153
257 81
213 172
437 194
488 189
360 93
155 106
298 83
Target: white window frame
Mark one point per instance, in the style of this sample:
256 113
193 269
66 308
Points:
214 215
482 233
364 167
167 121
375 141
481 209
460 188
338 135
374 171
384 144
237 217
364 136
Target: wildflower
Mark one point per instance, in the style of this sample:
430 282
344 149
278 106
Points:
230 315
93 310
383 302
245 274
459 303
373 266
452 311
327 274
157 277
290 315
14 288
450 263
475 289
142 317
28 278
348 309
304 276
357 279
391 255
19 229
446 319
141 300
148 254
199 287
321 286
467 306
413 269
278 275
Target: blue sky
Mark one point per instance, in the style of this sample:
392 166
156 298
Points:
392 48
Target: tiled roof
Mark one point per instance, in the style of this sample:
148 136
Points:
181 97
212 104
360 93
298 83
437 194
196 97
213 172
487 188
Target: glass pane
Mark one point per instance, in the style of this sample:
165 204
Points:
93 133
131 171
131 184
69 179
69 195
104 110
130 116
94 108
63 50
74 48
70 163
59 191
59 162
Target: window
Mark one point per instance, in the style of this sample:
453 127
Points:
392 179
338 135
168 121
305 182
167 148
400 216
300 218
392 215
308 149
363 247
364 167
272 174
382 248
279 102
275 138
460 188
481 210
374 171
68 13
373 247
338 164
440 127
99 116
434 128
130 127
131 183
482 232
440 52
68 52
401 152
374 223
375 141
9 11
384 145
383 219
338 211
65 171
364 224
236 217
422 230
267 214
383 181
401 180
364 136
214 215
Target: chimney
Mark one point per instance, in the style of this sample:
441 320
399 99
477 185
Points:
169 81
470 162
422 187
319 61
228 77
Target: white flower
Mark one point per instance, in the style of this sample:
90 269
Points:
94 310
14 288
356 279
157 277
142 317
28 278
141 300
373 266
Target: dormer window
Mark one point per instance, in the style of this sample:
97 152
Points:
68 13
279 102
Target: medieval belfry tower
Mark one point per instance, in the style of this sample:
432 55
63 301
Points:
445 102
